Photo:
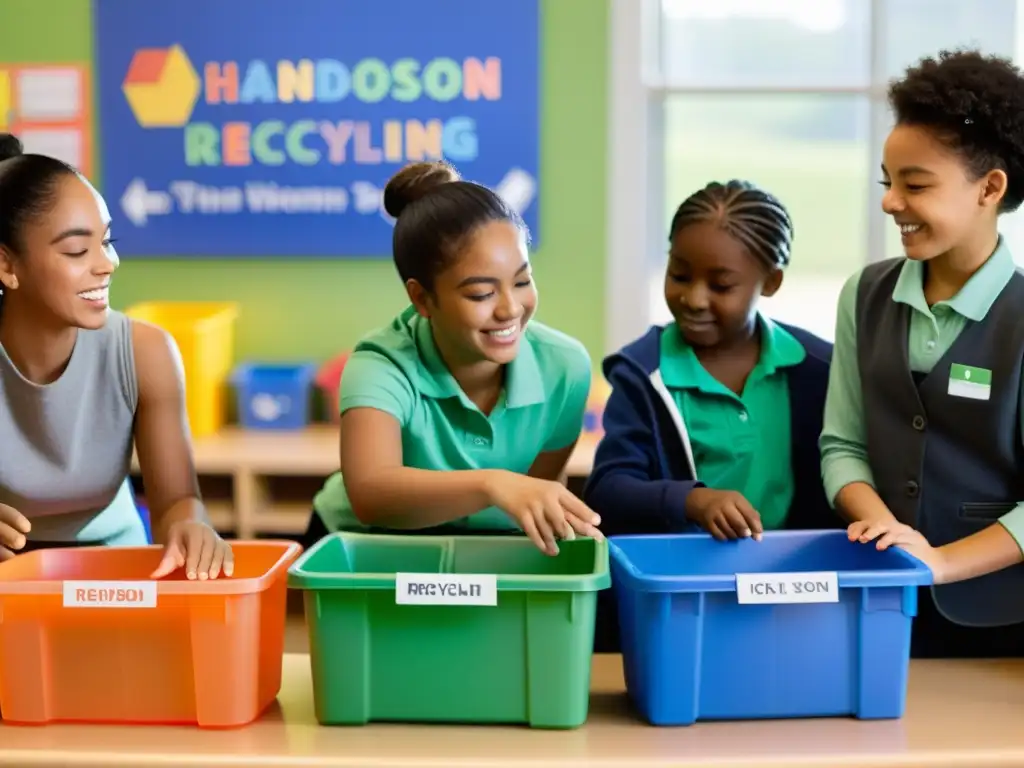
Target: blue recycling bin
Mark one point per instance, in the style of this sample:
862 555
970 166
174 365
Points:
800 624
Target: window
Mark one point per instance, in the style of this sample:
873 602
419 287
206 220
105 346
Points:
809 151
915 28
765 43
789 94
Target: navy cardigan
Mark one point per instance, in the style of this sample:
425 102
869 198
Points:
642 476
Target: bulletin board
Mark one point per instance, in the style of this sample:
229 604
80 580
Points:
49 107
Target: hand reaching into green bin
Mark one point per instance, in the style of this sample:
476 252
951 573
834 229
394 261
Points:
545 509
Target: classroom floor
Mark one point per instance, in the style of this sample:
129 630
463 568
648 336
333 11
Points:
296 639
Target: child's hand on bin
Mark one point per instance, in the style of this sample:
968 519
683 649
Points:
724 514
545 509
14 528
891 533
884 532
197 548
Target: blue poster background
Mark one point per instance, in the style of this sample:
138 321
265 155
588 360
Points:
329 160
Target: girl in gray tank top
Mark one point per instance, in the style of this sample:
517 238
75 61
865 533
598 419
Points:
80 385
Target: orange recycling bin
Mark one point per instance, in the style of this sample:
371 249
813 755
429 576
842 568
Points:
86 636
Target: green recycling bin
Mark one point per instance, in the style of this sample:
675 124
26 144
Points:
464 629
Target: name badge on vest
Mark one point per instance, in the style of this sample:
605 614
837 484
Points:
972 383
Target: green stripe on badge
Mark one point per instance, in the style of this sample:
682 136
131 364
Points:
970 375
968 382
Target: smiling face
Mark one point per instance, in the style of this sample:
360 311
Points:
65 258
481 303
713 283
932 197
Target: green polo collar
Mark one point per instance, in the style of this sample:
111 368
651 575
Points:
524 384
978 294
680 368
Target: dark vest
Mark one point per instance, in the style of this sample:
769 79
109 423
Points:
948 466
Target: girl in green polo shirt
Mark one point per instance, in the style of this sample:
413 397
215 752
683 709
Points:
922 446
713 419
461 414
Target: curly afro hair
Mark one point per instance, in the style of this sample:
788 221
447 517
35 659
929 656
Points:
974 104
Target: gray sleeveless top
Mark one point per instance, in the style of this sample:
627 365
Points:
66 447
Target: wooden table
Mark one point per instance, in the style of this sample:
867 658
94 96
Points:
264 482
967 714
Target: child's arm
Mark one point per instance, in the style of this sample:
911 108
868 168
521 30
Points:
624 487
385 493
846 474
979 554
164 446
859 502
377 401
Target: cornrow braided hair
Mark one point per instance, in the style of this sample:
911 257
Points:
754 217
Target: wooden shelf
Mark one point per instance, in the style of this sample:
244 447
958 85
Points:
263 482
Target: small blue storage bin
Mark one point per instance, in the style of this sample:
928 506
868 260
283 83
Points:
692 651
274 395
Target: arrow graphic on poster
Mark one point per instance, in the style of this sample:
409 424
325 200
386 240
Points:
518 189
139 203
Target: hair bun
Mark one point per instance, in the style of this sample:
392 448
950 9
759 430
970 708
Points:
413 182
10 146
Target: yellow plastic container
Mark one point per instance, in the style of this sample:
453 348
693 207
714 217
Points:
205 334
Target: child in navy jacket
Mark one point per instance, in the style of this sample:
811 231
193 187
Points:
713 421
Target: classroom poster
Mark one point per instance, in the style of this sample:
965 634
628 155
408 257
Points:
262 128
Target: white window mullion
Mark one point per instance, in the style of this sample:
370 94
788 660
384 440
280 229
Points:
634 148
879 126
1012 225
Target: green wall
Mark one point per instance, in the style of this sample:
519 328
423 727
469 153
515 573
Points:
294 309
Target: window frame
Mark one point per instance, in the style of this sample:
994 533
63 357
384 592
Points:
636 149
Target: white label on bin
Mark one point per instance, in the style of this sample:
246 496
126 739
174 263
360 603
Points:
761 588
110 594
446 589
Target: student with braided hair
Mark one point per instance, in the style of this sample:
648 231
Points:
713 420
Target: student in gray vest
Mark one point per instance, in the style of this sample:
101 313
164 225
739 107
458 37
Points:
80 384
922 440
